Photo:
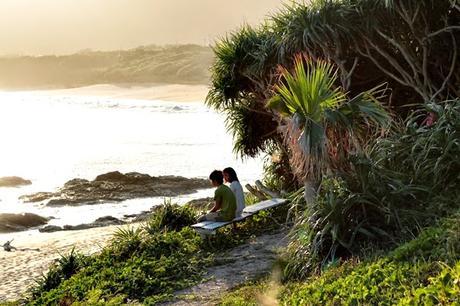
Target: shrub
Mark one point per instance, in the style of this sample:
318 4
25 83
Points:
61 270
407 275
329 229
171 217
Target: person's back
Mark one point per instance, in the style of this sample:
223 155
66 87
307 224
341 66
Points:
231 177
237 190
228 200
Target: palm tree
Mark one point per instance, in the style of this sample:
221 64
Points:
320 124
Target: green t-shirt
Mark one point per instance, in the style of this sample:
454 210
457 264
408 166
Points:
228 200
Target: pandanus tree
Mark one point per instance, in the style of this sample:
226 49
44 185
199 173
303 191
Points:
321 125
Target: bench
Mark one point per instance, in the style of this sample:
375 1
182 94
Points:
210 227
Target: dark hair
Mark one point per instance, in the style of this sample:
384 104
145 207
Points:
231 173
217 176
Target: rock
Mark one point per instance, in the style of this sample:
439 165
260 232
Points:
78 227
13 181
36 197
50 229
20 222
116 187
107 219
201 204
100 222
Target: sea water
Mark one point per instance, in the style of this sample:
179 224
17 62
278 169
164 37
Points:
51 138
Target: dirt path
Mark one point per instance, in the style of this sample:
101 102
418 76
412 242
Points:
239 265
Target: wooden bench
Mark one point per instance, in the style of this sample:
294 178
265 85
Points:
210 227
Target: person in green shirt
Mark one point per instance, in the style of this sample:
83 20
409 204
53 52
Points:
224 208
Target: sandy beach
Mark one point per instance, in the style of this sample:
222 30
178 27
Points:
19 269
161 92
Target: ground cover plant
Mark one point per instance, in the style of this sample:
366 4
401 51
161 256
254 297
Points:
424 271
144 264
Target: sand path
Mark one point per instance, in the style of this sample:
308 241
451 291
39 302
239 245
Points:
238 266
19 269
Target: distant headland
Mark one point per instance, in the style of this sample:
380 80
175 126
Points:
173 64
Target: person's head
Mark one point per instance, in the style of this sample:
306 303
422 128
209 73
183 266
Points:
230 175
216 177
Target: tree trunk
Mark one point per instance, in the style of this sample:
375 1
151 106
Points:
310 192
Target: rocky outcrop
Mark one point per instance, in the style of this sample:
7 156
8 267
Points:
201 204
115 187
100 222
13 181
20 222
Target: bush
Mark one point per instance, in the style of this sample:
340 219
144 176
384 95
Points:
409 275
145 264
405 182
171 217
162 263
329 229
63 268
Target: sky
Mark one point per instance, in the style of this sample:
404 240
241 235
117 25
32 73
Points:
37 27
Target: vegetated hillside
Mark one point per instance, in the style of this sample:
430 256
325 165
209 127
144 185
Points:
423 271
180 64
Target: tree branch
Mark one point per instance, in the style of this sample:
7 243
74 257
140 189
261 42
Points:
446 29
452 67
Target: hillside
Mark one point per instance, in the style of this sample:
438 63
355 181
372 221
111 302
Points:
178 64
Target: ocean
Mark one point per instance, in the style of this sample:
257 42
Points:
51 137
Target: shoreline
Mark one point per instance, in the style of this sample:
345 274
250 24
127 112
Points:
20 269
181 93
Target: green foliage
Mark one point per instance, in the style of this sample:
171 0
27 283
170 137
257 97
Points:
145 264
64 268
428 155
246 295
324 125
407 181
162 263
371 42
244 58
424 271
171 217
405 276
329 229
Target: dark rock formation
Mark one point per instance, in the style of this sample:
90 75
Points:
115 187
100 222
20 222
201 204
13 181
50 228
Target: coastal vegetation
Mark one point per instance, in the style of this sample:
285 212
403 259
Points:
358 102
356 105
144 264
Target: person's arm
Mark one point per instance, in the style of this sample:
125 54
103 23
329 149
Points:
217 201
217 206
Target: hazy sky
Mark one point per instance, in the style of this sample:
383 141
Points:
66 26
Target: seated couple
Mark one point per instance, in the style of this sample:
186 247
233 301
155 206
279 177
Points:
228 202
